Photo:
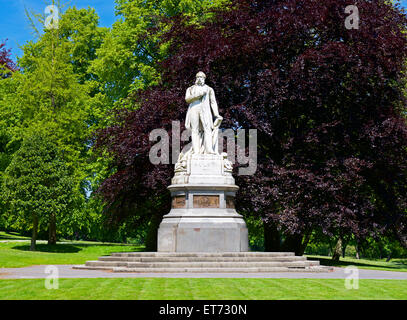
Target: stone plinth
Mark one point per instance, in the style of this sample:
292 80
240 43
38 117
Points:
203 217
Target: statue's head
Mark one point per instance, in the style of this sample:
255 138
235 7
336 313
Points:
200 78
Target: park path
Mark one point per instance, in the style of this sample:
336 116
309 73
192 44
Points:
66 271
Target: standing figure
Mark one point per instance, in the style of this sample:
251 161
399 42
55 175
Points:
201 100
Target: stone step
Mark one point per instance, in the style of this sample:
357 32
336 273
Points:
204 262
208 270
221 270
85 267
202 254
201 264
203 259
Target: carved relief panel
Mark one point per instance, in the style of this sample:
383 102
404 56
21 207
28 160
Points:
206 201
178 202
230 202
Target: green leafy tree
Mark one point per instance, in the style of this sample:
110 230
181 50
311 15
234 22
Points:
54 92
331 140
38 187
7 67
128 61
129 56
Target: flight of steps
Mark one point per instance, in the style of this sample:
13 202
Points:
203 262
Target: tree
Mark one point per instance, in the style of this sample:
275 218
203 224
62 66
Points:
80 27
38 186
7 66
327 103
53 91
131 51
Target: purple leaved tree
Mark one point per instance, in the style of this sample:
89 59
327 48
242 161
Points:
327 102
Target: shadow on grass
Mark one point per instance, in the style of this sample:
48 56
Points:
12 236
72 248
329 262
57 248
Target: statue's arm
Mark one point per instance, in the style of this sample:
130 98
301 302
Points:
214 104
192 95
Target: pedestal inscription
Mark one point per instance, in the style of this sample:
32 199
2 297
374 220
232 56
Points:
206 201
178 202
230 202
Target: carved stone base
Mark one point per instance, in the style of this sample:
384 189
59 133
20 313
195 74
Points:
194 234
203 169
203 216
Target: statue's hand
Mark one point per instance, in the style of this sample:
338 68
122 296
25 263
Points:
217 121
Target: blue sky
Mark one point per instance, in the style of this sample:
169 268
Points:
14 25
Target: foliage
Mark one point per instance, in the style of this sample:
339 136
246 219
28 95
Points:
128 61
81 28
37 184
368 248
18 255
7 66
131 50
256 233
381 249
327 104
54 92
396 265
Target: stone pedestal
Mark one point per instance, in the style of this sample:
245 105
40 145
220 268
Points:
203 216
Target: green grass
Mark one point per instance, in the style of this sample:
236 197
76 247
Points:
12 236
17 254
399 265
202 289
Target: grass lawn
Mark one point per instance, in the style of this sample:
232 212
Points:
17 254
202 289
12 236
399 265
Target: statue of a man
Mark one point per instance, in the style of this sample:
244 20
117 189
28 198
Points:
199 120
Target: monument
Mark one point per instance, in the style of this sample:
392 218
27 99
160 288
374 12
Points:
203 217
203 233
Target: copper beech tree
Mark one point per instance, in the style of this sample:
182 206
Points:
7 65
327 103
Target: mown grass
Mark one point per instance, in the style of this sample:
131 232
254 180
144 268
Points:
202 289
15 254
399 265
18 254
12 236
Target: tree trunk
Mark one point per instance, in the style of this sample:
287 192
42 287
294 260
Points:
152 232
271 238
293 243
52 228
338 250
305 241
381 250
344 244
357 248
402 238
388 257
34 233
